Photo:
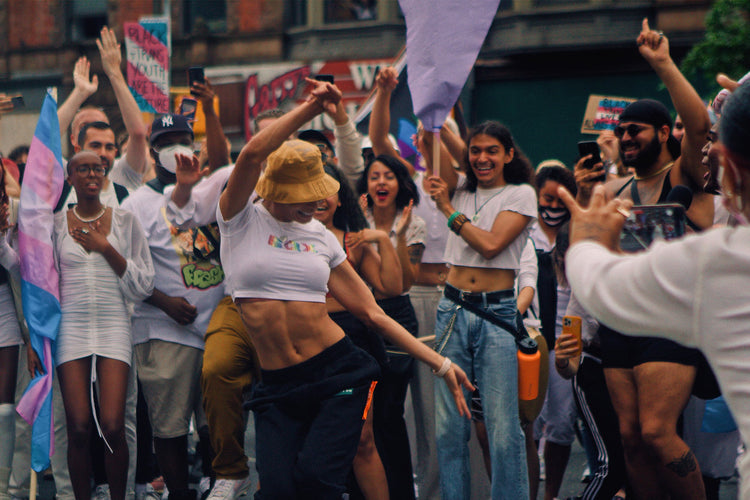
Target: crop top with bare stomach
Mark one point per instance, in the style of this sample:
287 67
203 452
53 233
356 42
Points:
269 259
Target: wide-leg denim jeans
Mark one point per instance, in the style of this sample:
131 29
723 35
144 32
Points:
487 353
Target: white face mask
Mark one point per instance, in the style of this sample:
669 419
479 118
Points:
168 156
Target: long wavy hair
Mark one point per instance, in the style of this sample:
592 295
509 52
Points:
348 217
407 190
517 171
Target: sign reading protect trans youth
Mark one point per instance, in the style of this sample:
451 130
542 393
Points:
603 113
147 45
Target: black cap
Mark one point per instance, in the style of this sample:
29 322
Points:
654 113
316 136
164 124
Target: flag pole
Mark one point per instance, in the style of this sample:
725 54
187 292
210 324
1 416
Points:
33 486
436 152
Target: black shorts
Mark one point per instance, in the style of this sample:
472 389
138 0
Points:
623 351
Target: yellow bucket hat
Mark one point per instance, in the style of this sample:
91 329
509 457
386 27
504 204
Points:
294 174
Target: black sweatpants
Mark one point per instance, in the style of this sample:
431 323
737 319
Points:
308 419
595 406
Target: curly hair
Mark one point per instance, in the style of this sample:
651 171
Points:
407 190
348 217
517 171
558 174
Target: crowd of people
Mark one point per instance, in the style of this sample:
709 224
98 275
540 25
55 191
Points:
308 279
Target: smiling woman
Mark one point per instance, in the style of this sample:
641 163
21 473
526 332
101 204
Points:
489 214
104 263
315 384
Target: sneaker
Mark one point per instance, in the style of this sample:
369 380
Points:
148 493
229 489
204 487
101 492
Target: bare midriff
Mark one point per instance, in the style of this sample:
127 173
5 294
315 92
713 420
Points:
432 274
481 279
286 333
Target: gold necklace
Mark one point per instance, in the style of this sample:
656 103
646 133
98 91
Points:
649 176
96 218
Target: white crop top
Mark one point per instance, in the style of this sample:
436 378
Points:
269 259
482 208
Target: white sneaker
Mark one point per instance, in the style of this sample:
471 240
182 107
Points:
101 492
148 493
203 486
229 489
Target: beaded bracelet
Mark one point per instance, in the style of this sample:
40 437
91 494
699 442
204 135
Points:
443 368
452 218
458 223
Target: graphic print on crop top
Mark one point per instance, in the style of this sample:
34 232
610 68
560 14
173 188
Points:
196 248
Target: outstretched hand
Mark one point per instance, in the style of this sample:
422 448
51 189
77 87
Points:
456 380
109 50
188 172
602 221
81 81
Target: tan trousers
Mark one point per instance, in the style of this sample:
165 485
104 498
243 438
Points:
230 364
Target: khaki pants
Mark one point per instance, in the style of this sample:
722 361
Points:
230 365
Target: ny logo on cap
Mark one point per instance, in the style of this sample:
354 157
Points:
166 121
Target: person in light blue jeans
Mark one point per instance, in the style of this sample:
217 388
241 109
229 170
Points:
489 211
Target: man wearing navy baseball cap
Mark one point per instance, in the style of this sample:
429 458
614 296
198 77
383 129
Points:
169 326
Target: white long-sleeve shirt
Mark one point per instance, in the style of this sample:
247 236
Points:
695 291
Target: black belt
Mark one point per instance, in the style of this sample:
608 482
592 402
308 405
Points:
456 295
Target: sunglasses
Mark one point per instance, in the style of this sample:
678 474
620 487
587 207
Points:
631 129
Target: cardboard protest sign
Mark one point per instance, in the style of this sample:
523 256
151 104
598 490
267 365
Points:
603 113
147 45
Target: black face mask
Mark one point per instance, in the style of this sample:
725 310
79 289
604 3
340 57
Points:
553 217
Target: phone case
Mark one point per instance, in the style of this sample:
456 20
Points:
648 223
572 325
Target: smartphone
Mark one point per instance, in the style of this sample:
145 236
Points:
572 325
196 74
324 78
586 148
649 223
188 107
17 101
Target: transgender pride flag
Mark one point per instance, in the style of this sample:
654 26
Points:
42 185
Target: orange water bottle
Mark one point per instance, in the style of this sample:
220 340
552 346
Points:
528 369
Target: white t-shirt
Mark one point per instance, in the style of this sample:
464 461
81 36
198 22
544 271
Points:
415 233
436 226
482 208
269 259
179 273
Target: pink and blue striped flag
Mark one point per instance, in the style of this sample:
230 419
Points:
42 185
443 38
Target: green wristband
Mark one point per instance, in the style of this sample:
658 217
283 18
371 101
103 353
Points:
453 217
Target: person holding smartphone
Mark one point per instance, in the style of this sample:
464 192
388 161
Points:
650 379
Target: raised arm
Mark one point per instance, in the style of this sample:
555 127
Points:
83 89
216 141
348 145
455 145
109 49
380 117
654 47
246 172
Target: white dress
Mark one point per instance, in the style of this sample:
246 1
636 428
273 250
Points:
94 300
